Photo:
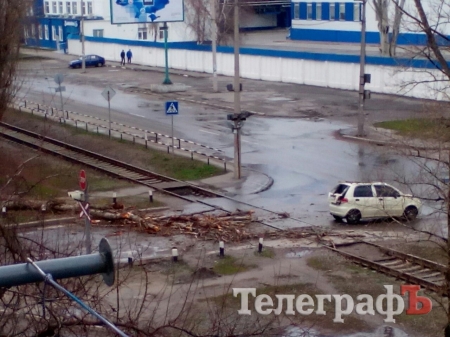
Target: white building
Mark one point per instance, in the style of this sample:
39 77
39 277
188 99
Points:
341 21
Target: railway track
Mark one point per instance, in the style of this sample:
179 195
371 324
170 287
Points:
412 269
105 164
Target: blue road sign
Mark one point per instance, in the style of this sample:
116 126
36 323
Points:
172 108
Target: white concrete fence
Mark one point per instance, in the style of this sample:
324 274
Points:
338 75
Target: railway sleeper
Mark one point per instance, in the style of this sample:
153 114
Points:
404 265
438 280
423 271
393 263
431 275
410 269
149 181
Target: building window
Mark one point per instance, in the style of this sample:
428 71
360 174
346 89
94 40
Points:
308 11
60 34
46 31
83 8
89 8
98 33
318 11
161 33
60 7
296 11
68 8
46 7
54 10
74 8
33 31
40 32
332 12
25 32
357 12
53 33
341 11
142 34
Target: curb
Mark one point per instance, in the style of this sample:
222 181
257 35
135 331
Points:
266 186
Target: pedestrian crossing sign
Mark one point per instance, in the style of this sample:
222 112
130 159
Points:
172 108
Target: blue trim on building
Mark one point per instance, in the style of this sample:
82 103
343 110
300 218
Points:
349 11
352 36
303 10
325 11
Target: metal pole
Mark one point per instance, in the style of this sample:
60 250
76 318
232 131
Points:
74 266
109 114
214 44
173 148
237 94
166 56
362 62
83 61
87 221
62 103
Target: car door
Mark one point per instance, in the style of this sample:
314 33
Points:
363 199
89 61
389 199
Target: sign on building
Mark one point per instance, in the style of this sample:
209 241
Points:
142 11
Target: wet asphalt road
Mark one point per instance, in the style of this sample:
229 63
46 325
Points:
304 156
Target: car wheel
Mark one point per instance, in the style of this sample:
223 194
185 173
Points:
99 64
353 217
337 218
410 213
78 66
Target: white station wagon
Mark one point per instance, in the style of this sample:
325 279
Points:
366 201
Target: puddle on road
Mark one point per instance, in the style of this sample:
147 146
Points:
303 253
382 331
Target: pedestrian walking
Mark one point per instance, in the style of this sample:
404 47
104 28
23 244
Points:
129 55
122 56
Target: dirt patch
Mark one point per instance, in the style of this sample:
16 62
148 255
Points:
204 273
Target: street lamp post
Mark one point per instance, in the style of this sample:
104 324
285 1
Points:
237 96
166 56
362 63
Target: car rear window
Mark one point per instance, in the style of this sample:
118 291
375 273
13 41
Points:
363 191
340 189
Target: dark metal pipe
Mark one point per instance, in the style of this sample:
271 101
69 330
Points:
75 266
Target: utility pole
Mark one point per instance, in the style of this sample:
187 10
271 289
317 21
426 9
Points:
83 60
237 96
362 63
214 44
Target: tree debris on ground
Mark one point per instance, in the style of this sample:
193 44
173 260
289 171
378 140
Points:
227 227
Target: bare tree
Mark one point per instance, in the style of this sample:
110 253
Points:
396 27
381 12
12 13
199 20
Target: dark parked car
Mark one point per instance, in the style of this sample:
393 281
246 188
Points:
91 61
